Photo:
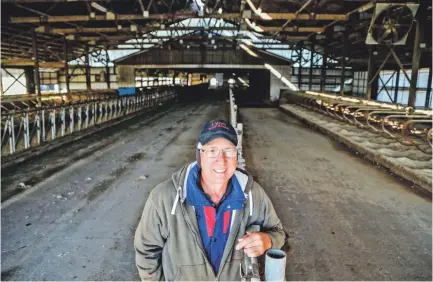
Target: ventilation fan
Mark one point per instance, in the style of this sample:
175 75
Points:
391 23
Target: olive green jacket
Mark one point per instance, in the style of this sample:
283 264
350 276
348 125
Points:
167 241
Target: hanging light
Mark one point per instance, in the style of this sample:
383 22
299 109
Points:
99 7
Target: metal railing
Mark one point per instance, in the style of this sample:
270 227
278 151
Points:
237 126
393 121
29 121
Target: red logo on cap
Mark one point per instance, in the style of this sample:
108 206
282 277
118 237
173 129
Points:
217 124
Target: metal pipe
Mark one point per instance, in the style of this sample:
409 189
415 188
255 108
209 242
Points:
36 62
275 265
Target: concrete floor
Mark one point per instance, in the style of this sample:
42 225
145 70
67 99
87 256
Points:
347 219
79 224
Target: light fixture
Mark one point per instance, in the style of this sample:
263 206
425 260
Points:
258 11
110 16
281 77
289 84
252 36
98 7
273 71
247 41
253 26
246 49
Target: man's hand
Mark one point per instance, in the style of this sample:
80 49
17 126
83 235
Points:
254 243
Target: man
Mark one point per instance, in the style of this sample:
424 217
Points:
193 226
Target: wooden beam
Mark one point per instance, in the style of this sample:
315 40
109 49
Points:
179 16
198 37
26 40
30 63
195 28
22 45
218 42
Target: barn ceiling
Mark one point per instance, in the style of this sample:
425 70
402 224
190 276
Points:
112 24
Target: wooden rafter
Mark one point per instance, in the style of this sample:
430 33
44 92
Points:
173 28
178 16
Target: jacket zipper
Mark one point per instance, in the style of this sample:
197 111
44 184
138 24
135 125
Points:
235 236
188 221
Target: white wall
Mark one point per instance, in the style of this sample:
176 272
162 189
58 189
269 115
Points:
277 84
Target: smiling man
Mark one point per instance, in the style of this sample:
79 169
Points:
193 226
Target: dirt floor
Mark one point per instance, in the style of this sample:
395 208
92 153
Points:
79 223
347 219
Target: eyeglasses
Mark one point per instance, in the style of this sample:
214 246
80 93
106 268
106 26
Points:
215 152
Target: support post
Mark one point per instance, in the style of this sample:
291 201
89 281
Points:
107 70
371 85
87 67
65 58
415 64
1 82
343 62
428 92
324 63
300 68
30 80
397 82
36 56
310 72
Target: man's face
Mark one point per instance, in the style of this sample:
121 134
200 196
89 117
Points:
218 170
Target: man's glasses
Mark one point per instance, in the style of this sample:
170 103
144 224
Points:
214 152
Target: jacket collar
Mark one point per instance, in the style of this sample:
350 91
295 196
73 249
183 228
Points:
195 196
179 178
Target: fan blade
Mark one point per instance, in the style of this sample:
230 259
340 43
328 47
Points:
384 35
395 35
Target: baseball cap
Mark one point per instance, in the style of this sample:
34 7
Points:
218 129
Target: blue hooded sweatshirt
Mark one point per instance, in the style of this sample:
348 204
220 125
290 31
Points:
214 221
